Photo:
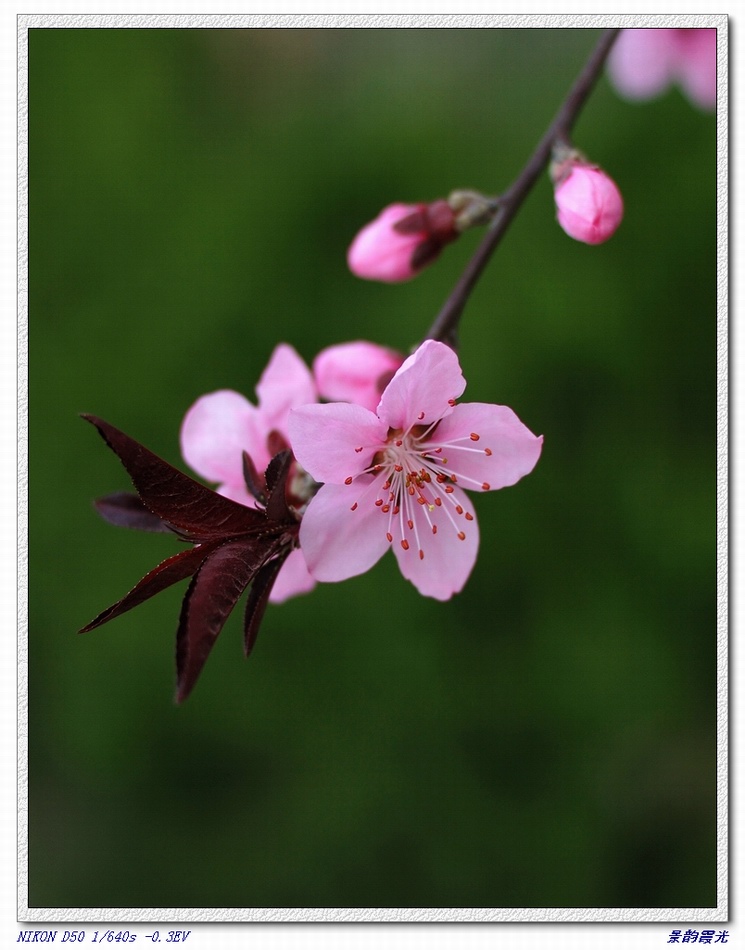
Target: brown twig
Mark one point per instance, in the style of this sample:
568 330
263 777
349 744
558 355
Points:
445 325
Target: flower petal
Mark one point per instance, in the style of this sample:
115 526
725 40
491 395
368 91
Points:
642 62
504 451
285 384
352 372
216 431
697 66
294 578
326 439
423 387
438 564
337 542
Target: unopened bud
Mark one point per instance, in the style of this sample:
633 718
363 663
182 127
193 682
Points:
401 241
589 206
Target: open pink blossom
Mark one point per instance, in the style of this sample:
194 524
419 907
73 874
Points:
222 425
401 241
396 477
645 63
355 372
589 206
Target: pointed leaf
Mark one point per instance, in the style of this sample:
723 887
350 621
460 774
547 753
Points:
254 481
258 598
276 482
212 594
126 510
194 510
175 568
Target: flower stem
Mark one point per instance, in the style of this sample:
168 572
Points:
445 325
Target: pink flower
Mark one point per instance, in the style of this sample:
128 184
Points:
395 477
589 206
644 63
221 426
401 241
355 372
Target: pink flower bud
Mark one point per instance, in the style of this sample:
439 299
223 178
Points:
401 241
355 372
589 206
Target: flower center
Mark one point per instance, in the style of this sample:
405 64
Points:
413 484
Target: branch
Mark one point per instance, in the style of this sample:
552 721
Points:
445 325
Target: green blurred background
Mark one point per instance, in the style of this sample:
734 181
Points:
546 738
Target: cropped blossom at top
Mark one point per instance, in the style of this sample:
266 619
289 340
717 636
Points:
222 425
645 63
401 241
355 372
396 477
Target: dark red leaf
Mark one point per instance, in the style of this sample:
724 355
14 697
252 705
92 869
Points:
276 483
194 511
125 510
258 597
254 481
175 568
212 594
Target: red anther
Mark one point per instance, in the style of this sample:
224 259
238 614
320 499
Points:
354 507
421 554
377 468
348 481
389 535
469 516
474 437
485 486
399 442
421 500
441 478
438 450
405 544
462 535
438 501
378 502
411 489
386 508
410 523
396 510
399 468
451 402
459 509
420 416
386 484
487 452
434 529
359 449
449 489
453 478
